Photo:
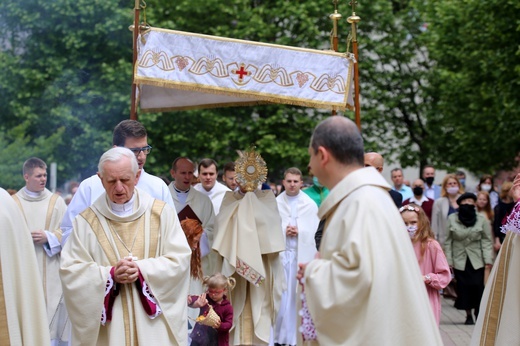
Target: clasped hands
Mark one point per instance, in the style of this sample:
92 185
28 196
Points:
291 231
126 271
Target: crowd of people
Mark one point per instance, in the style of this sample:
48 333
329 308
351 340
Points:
133 259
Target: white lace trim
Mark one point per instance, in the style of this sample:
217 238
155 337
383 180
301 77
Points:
513 221
149 295
108 288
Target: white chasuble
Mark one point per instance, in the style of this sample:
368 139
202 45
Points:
367 288
153 234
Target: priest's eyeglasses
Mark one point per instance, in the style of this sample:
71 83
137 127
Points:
146 150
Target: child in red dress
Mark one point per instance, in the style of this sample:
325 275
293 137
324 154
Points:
218 285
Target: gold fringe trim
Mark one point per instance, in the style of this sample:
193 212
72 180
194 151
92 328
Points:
262 99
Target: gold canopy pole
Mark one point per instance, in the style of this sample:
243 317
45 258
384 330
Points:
334 34
133 107
353 20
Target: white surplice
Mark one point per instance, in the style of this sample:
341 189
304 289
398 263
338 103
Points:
300 211
216 194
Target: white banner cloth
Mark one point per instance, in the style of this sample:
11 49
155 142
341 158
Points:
179 70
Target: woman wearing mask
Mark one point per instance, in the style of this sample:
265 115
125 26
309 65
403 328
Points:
446 205
468 249
486 184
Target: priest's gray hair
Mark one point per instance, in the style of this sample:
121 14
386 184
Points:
342 138
115 155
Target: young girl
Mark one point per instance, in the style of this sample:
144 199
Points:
432 261
218 285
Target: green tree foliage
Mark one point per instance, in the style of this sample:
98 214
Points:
66 77
394 68
16 146
476 82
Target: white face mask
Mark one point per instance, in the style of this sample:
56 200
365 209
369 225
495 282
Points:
411 230
452 190
485 187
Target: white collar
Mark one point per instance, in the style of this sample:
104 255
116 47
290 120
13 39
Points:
32 193
123 209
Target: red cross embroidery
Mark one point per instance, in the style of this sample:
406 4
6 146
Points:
241 73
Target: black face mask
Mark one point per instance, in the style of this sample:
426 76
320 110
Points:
467 215
429 180
418 191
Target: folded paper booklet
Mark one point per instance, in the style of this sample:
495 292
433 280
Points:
188 213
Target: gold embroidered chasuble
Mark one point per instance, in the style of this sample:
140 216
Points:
45 212
497 323
153 234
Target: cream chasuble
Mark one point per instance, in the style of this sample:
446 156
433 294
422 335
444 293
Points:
250 239
497 322
23 317
45 212
100 239
367 288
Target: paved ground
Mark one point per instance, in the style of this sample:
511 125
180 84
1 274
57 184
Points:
453 330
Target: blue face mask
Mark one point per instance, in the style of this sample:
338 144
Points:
316 182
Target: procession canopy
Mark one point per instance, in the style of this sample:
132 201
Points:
179 70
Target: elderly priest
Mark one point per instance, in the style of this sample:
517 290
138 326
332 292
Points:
125 267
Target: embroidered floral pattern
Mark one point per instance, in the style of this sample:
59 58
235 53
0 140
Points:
246 271
307 327
513 221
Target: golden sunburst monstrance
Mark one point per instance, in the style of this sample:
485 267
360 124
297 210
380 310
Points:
251 170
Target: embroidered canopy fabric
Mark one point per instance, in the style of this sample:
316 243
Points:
179 70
